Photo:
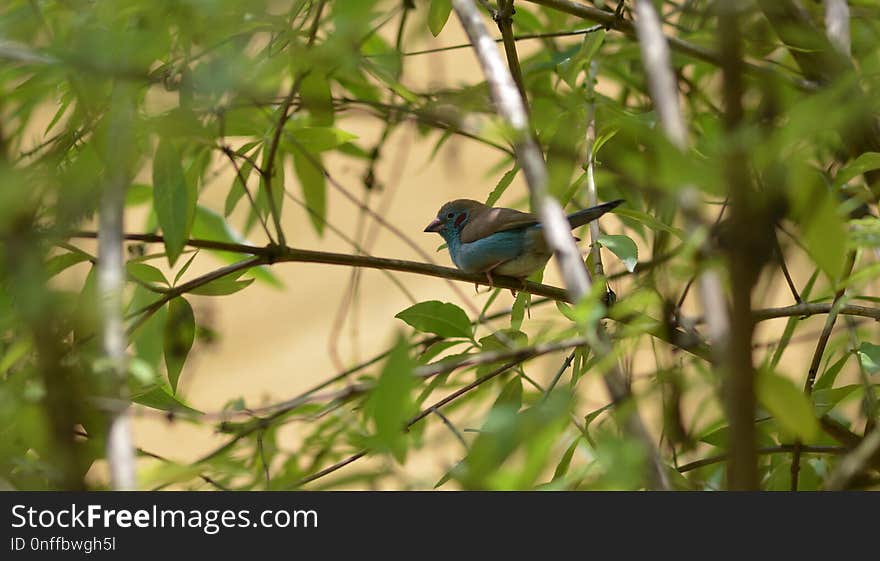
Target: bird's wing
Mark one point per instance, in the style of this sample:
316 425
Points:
487 221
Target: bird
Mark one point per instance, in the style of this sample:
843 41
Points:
497 240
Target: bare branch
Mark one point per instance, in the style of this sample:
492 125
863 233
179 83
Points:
658 68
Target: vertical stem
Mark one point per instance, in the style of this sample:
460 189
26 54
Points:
592 195
504 19
111 281
744 264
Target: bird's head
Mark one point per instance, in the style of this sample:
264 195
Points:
452 217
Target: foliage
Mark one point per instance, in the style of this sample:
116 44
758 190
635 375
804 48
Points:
165 93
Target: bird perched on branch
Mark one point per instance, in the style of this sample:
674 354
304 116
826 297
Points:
500 241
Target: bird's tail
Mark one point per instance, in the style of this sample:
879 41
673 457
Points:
586 215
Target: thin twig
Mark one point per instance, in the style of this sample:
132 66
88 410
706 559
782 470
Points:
521 37
762 451
830 320
229 153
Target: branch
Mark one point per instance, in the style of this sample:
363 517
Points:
805 309
763 451
854 462
510 106
504 19
520 37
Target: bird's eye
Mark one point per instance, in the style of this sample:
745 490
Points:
450 215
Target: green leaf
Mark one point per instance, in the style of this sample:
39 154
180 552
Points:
824 234
565 462
511 394
390 403
149 337
238 189
788 405
518 310
180 332
792 322
623 247
572 66
503 339
564 148
827 379
438 14
502 186
436 348
649 221
138 194
317 97
15 352
145 273
158 397
59 263
185 267
440 318
223 286
314 187
320 139
174 199
869 356
827 399
868 161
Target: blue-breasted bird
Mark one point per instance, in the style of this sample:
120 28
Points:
502 241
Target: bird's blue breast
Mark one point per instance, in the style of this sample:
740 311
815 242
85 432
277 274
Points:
486 253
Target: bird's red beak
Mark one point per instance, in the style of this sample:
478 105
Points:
434 226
